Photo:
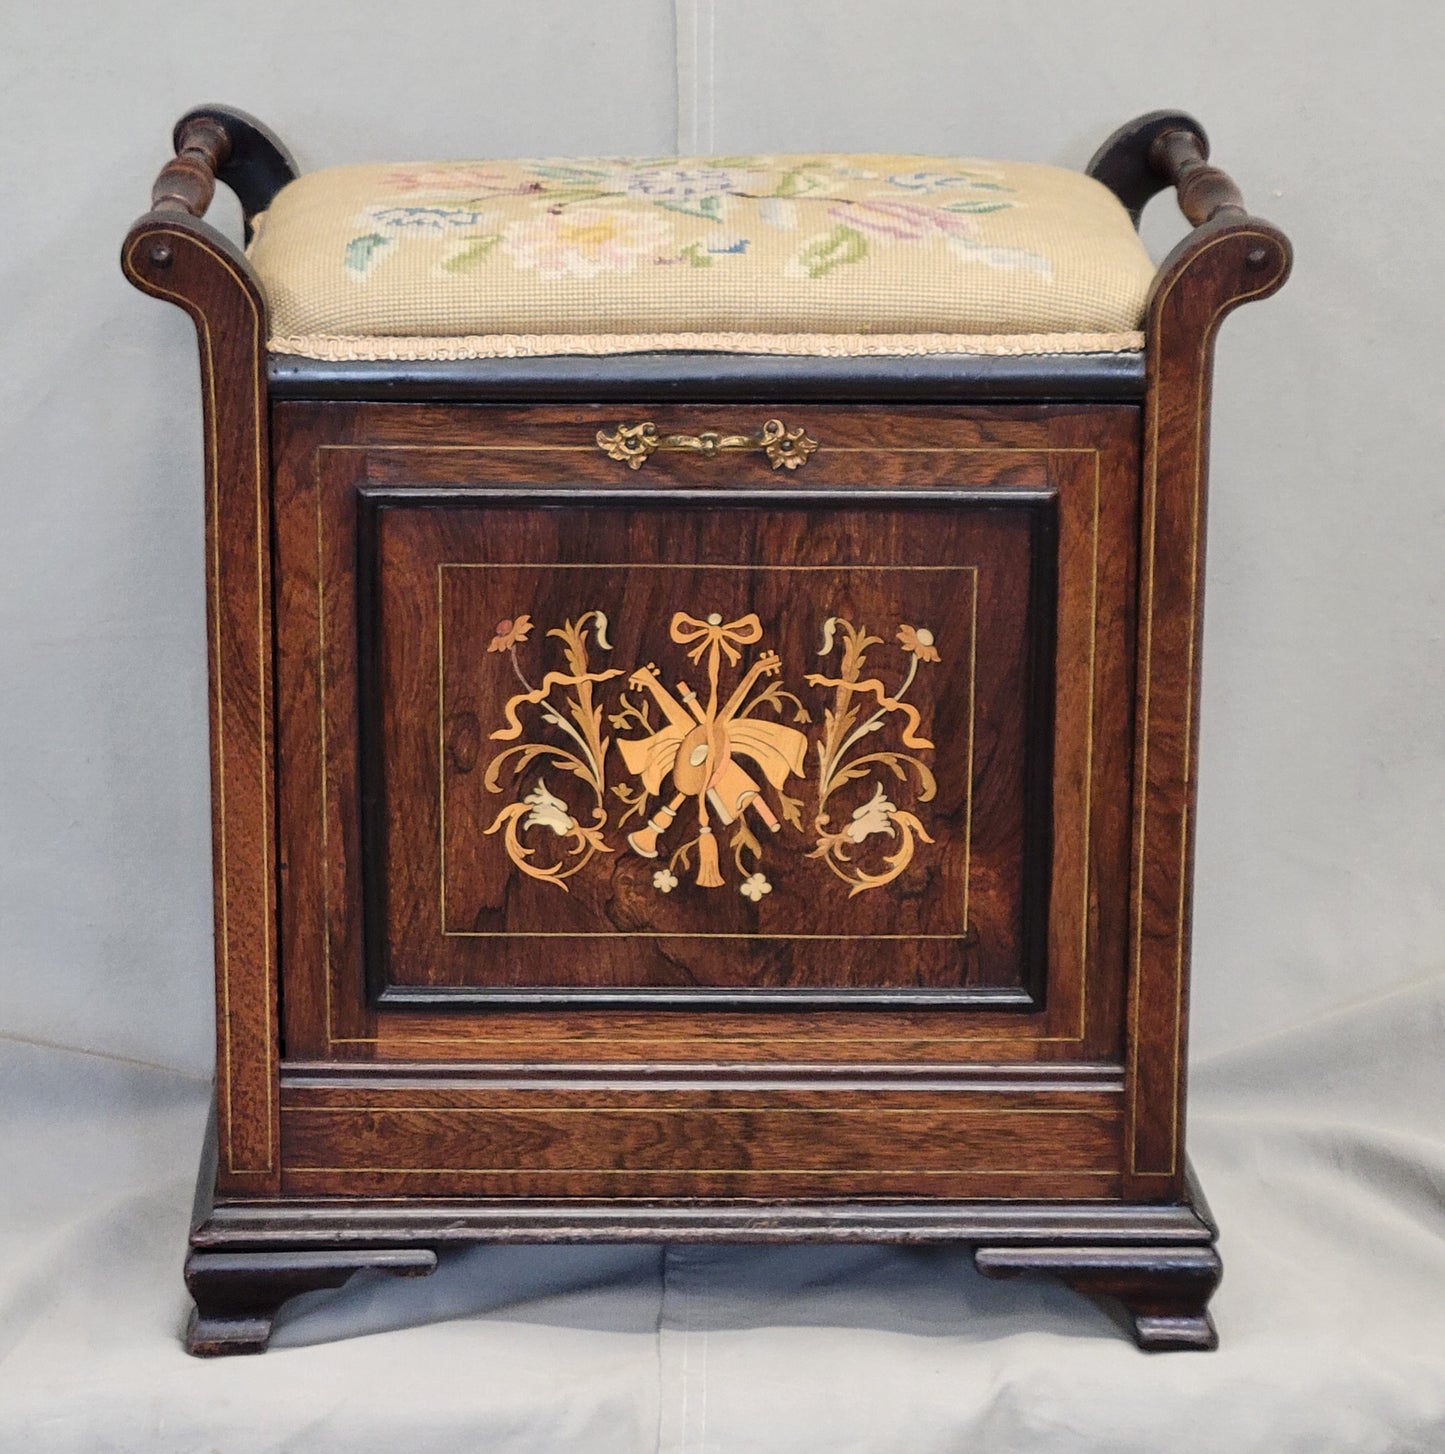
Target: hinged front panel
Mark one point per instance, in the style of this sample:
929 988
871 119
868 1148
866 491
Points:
704 759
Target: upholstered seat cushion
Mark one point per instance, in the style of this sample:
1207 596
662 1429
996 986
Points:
822 254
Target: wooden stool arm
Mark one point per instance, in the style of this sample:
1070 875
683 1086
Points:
1182 156
213 144
1166 149
187 182
219 143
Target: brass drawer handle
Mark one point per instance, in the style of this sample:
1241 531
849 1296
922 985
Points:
634 443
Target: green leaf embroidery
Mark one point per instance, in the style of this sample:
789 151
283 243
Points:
476 249
568 173
842 245
695 255
361 252
798 181
978 207
568 195
708 207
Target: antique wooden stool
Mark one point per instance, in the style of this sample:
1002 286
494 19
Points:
704 677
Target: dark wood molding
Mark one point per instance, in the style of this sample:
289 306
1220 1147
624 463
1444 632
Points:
300 1223
715 378
1041 506
1003 1076
461 998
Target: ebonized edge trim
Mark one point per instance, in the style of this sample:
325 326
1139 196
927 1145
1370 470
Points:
714 378
451 1222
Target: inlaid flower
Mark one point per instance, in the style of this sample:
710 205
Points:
875 816
584 241
548 811
664 881
754 886
510 633
918 640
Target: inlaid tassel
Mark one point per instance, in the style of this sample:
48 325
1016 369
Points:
708 876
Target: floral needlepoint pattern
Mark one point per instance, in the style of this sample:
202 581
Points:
819 253
510 633
709 765
584 218
584 241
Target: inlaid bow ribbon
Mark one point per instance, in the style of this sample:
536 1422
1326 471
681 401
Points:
716 632
700 745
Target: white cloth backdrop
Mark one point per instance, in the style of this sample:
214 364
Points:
1319 1003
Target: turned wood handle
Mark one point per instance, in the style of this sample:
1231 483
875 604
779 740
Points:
187 182
1204 190
221 144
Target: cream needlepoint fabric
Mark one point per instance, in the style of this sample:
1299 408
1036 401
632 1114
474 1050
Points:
811 254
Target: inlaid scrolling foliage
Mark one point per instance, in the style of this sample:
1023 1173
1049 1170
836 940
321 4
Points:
839 763
700 762
584 756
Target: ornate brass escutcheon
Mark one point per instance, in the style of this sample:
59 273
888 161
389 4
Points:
634 443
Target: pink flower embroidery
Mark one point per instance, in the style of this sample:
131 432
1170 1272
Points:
464 177
584 241
904 221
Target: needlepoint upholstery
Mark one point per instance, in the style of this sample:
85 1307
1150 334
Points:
810 254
